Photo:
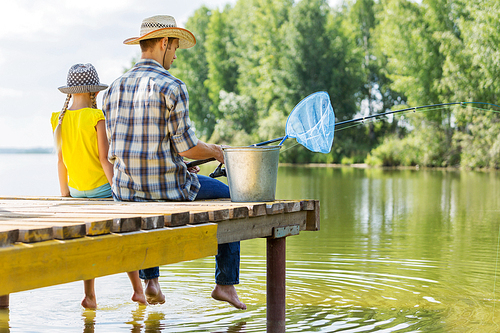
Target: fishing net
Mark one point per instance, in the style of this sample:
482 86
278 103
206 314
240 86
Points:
312 123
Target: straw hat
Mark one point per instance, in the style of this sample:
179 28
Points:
82 79
163 26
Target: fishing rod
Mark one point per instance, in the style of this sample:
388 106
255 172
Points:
383 114
361 119
393 112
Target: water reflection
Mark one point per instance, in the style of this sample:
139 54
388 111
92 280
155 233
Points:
237 328
151 324
88 317
4 320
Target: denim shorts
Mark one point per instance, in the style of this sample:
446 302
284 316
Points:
103 191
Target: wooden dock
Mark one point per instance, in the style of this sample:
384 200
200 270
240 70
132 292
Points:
54 240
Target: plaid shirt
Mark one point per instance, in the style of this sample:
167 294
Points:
147 122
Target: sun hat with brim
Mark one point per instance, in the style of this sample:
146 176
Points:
163 26
82 78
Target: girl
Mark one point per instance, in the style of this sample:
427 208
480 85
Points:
82 149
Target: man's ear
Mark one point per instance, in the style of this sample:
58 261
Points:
164 42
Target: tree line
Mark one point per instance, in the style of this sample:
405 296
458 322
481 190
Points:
254 61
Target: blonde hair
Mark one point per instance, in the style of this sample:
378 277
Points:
58 130
92 99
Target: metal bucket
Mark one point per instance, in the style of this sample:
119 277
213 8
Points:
252 172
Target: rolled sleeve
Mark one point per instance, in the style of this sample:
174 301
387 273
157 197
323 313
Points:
184 141
182 134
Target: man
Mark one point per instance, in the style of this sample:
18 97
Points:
149 133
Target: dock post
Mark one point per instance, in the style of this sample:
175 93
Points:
276 267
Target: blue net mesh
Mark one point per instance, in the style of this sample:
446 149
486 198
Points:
312 123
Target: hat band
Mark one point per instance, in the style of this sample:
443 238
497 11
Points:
156 25
83 89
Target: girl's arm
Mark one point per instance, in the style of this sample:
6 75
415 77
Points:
63 175
102 145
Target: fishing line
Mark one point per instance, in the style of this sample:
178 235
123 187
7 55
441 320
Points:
296 143
375 119
430 108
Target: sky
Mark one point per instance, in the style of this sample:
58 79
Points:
41 40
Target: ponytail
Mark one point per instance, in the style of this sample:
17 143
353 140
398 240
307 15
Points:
58 130
92 99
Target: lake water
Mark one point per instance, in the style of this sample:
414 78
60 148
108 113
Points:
398 251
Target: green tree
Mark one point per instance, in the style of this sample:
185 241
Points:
376 92
407 38
222 67
258 27
409 35
470 73
191 67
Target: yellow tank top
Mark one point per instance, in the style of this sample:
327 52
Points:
79 148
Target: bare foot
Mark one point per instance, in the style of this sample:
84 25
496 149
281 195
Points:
4 301
228 294
138 295
139 298
89 302
153 292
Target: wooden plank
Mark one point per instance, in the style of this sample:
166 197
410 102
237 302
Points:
177 219
218 215
35 235
30 232
96 228
238 212
69 231
262 226
254 209
257 210
307 204
93 228
275 208
97 224
152 222
76 217
126 224
8 236
292 206
30 266
198 217
313 217
35 232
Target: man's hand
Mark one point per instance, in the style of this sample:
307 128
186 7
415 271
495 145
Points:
194 169
204 150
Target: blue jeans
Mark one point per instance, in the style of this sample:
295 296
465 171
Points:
227 260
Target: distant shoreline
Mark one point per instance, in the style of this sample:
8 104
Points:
38 150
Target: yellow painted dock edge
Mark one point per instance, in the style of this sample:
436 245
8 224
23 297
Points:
36 265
